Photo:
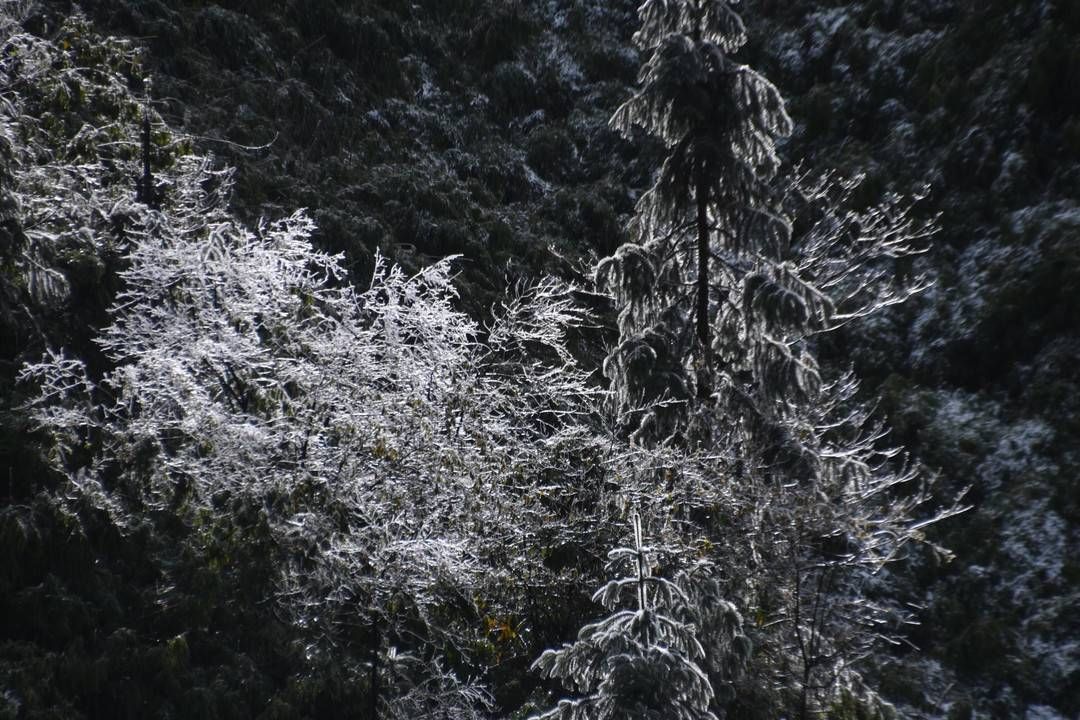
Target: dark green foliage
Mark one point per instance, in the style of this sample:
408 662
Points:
337 83
987 114
1053 84
346 91
551 152
499 32
90 629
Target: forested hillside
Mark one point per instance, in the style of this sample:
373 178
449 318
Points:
980 101
424 375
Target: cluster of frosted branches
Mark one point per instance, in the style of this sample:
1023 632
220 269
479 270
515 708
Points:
638 662
730 275
399 464
381 444
63 182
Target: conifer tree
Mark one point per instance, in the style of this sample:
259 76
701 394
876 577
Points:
710 212
731 273
639 663
732 270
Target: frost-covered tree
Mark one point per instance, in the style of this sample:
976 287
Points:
731 276
639 662
730 269
711 203
362 450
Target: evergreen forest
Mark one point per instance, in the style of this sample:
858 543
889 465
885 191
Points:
540 359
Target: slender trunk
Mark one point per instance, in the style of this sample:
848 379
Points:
373 680
642 570
702 311
804 651
145 192
702 314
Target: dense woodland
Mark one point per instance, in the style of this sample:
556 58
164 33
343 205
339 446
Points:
563 359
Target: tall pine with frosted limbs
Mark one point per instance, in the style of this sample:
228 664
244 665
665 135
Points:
710 211
735 269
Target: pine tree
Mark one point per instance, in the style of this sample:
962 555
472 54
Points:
639 663
710 212
732 270
732 273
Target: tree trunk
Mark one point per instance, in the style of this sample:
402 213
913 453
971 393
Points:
373 695
642 570
704 341
144 192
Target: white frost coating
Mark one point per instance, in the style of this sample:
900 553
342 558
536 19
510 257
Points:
1012 168
1017 455
1042 712
385 450
557 54
1034 539
719 295
823 25
962 417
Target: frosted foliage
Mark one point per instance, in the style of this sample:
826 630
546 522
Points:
427 691
638 662
716 22
808 546
383 448
1042 712
732 270
403 472
731 274
59 187
719 119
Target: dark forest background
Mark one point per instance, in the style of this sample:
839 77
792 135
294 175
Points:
479 127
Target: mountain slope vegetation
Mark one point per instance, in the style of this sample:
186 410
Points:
417 130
